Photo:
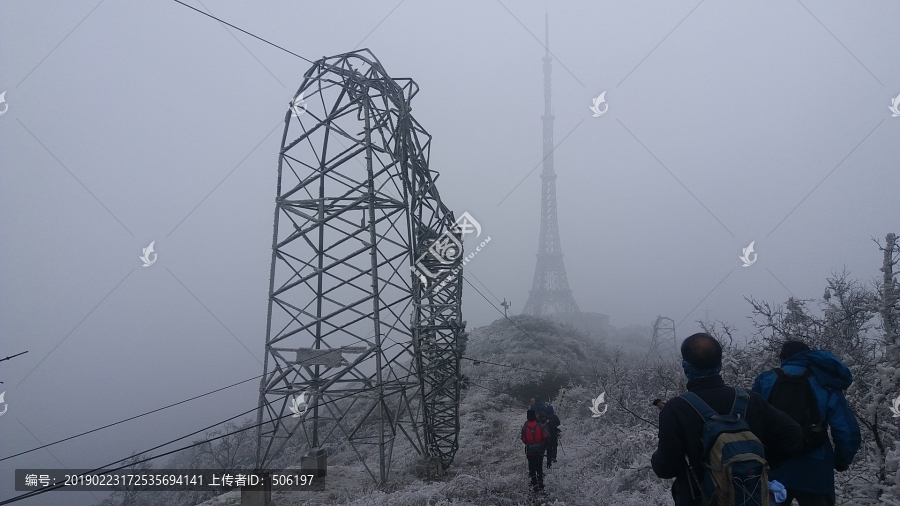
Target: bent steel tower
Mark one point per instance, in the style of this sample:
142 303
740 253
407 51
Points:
360 352
550 291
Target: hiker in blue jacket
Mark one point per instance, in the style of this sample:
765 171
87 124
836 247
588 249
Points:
810 477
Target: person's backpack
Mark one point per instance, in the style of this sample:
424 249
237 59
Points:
553 426
534 447
795 396
736 472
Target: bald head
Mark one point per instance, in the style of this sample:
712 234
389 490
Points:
702 351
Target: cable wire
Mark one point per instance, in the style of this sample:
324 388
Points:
142 414
245 31
133 463
131 418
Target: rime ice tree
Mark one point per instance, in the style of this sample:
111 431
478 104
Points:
849 327
887 451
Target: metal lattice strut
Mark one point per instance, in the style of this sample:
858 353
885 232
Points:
374 349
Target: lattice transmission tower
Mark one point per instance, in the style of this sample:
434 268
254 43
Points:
360 350
550 291
663 342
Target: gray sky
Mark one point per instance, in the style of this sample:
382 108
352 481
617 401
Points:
728 123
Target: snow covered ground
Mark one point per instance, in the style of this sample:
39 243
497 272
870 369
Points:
602 461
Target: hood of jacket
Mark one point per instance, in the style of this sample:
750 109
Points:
828 369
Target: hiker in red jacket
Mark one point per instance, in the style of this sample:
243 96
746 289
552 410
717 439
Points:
535 438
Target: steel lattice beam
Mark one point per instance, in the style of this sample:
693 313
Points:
375 349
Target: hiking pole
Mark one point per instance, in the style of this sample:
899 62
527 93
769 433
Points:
562 395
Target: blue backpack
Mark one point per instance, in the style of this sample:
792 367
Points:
736 472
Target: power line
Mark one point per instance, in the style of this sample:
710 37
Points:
242 30
13 356
37 492
144 414
130 418
133 463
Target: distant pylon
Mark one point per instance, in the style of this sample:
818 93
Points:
550 291
663 342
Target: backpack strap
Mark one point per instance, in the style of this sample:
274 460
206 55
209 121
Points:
741 400
699 406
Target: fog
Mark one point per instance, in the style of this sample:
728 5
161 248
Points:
133 122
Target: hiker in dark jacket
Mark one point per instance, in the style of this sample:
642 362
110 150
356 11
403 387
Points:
538 405
680 426
810 477
552 427
535 438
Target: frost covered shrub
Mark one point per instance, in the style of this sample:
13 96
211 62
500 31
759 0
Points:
853 322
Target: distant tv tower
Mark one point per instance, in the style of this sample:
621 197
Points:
550 291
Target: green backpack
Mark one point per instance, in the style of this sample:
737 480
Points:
736 472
